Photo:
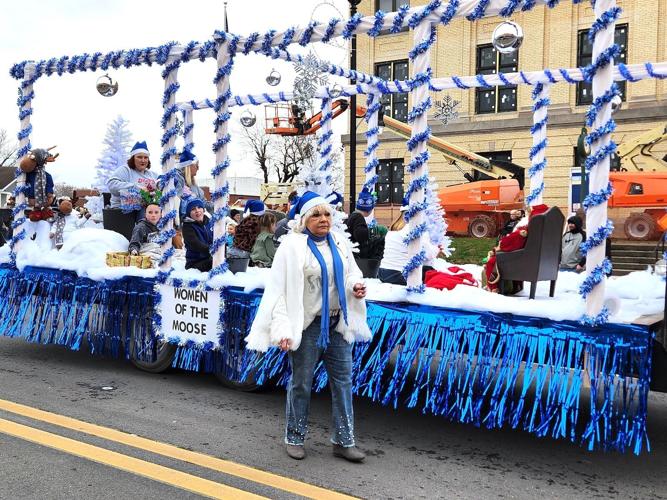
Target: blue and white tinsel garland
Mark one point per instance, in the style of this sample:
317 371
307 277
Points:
227 48
600 72
418 168
324 142
373 106
537 153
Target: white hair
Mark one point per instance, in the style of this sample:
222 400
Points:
300 225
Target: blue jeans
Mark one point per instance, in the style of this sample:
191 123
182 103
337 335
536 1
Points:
338 362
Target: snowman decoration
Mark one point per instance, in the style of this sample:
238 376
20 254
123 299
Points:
65 221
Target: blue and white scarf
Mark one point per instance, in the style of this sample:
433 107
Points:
339 280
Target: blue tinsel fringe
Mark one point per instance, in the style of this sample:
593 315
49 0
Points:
491 370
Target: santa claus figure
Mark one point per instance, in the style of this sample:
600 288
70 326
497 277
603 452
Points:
516 240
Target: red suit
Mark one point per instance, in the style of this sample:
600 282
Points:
516 240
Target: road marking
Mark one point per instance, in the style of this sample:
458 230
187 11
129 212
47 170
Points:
171 451
136 466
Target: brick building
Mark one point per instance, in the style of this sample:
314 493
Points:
497 122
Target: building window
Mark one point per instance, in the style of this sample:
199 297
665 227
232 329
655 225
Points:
389 187
395 105
500 156
585 57
497 99
390 6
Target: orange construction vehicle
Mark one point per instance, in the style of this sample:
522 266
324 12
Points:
479 207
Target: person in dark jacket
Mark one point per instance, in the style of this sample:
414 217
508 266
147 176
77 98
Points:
370 241
356 222
198 237
515 217
145 230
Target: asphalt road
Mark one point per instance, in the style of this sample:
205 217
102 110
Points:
409 455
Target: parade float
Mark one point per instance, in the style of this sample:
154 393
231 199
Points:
575 366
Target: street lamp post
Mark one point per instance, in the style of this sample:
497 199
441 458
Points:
353 114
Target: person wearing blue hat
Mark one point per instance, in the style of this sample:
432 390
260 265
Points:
186 183
136 174
198 237
313 307
358 226
248 230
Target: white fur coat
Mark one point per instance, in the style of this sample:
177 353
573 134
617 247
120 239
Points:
281 313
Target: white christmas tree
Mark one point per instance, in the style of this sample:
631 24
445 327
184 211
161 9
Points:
435 219
117 144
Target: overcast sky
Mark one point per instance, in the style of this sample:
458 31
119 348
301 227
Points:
70 113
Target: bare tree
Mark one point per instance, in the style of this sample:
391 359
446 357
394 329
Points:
8 150
278 157
290 153
63 189
259 142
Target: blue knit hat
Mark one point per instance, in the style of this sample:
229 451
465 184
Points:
186 159
139 148
193 203
253 207
366 201
307 201
335 198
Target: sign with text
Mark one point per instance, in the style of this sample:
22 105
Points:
190 313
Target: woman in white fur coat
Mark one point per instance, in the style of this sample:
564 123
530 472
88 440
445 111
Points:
313 307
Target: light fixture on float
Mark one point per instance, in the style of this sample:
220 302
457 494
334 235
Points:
248 118
507 37
274 78
336 91
106 85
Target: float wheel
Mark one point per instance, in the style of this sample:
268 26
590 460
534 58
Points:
163 360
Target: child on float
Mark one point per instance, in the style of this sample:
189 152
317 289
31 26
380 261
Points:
135 175
264 248
197 236
145 233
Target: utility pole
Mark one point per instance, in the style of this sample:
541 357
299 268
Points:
353 114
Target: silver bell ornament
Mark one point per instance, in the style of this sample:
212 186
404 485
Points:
106 86
507 37
248 118
616 103
274 78
335 91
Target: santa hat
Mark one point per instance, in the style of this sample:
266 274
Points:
186 159
253 207
538 209
139 148
366 201
335 199
307 201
